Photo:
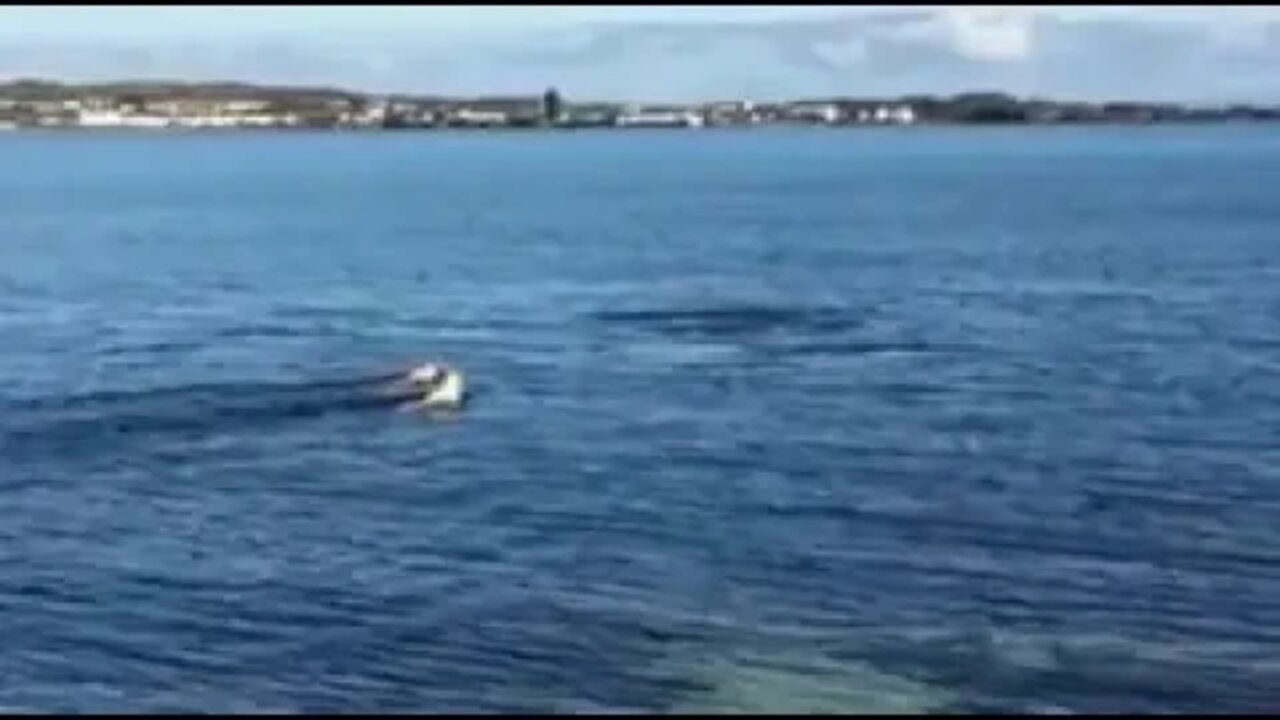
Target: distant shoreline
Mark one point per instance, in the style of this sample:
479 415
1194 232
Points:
513 131
169 106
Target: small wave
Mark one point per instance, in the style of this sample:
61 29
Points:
851 348
80 419
739 320
256 389
260 330
153 348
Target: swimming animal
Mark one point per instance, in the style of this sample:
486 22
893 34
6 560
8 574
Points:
441 386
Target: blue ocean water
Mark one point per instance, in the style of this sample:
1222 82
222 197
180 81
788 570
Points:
919 419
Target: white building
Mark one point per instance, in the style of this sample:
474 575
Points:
659 118
899 115
245 106
205 121
101 118
115 118
145 121
255 120
469 116
820 112
375 114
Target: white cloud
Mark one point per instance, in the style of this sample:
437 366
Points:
993 34
990 34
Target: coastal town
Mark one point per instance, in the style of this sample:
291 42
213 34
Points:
150 105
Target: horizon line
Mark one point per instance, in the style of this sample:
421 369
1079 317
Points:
396 94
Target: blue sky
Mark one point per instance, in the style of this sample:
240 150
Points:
675 53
